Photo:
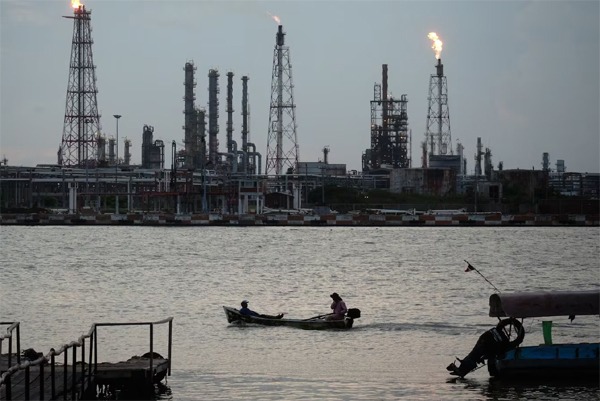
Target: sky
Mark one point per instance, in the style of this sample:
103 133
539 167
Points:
523 76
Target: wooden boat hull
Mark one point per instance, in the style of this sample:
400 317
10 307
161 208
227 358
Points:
549 361
233 315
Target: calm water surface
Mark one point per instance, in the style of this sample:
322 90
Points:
419 308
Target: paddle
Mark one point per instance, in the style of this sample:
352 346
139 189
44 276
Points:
317 317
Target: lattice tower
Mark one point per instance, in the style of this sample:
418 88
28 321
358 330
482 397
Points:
282 140
437 135
81 127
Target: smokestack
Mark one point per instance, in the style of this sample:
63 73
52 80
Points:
325 153
280 35
440 68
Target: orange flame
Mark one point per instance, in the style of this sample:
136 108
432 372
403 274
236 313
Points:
75 3
275 18
437 44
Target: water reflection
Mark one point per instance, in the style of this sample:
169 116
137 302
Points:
539 389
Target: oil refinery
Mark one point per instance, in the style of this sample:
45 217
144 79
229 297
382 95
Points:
227 174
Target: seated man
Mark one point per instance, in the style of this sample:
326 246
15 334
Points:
244 310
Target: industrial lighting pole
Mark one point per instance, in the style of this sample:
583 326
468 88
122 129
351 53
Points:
117 116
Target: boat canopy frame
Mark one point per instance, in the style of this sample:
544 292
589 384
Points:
542 304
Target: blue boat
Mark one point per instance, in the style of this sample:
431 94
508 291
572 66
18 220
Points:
548 360
575 361
501 345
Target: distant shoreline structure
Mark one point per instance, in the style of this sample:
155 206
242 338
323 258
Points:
438 219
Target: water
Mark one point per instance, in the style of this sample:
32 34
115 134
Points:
419 307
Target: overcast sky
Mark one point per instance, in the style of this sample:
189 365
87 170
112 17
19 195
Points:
524 76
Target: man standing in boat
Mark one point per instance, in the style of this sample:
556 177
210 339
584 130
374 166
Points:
338 306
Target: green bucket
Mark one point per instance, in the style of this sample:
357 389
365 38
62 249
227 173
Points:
547 330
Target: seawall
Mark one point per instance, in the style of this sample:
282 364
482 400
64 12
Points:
354 220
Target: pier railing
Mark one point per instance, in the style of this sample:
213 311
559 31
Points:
150 325
81 379
13 327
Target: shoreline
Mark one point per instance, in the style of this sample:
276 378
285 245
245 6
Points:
298 220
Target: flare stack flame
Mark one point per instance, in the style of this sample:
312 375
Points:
75 4
275 18
436 45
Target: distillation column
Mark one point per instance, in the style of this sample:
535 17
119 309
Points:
201 138
189 115
229 111
245 127
213 117
389 129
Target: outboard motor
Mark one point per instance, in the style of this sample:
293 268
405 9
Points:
507 335
353 313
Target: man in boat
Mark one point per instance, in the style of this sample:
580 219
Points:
244 310
338 306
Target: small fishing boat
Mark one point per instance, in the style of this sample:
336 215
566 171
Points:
501 345
313 323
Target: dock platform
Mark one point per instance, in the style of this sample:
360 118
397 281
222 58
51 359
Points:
77 374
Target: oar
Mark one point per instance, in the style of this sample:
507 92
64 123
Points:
317 317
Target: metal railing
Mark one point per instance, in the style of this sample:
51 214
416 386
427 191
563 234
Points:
13 326
151 325
87 370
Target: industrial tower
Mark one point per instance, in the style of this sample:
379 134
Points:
81 129
190 114
437 135
389 129
245 125
194 139
282 141
213 117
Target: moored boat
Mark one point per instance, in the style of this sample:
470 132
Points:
548 360
314 323
501 346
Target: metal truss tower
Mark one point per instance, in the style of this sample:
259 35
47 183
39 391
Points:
389 129
282 141
81 127
437 136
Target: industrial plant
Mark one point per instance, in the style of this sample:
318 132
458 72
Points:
224 174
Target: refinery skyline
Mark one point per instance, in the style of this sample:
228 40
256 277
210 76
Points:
522 76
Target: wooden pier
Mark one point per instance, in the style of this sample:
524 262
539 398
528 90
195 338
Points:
71 377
